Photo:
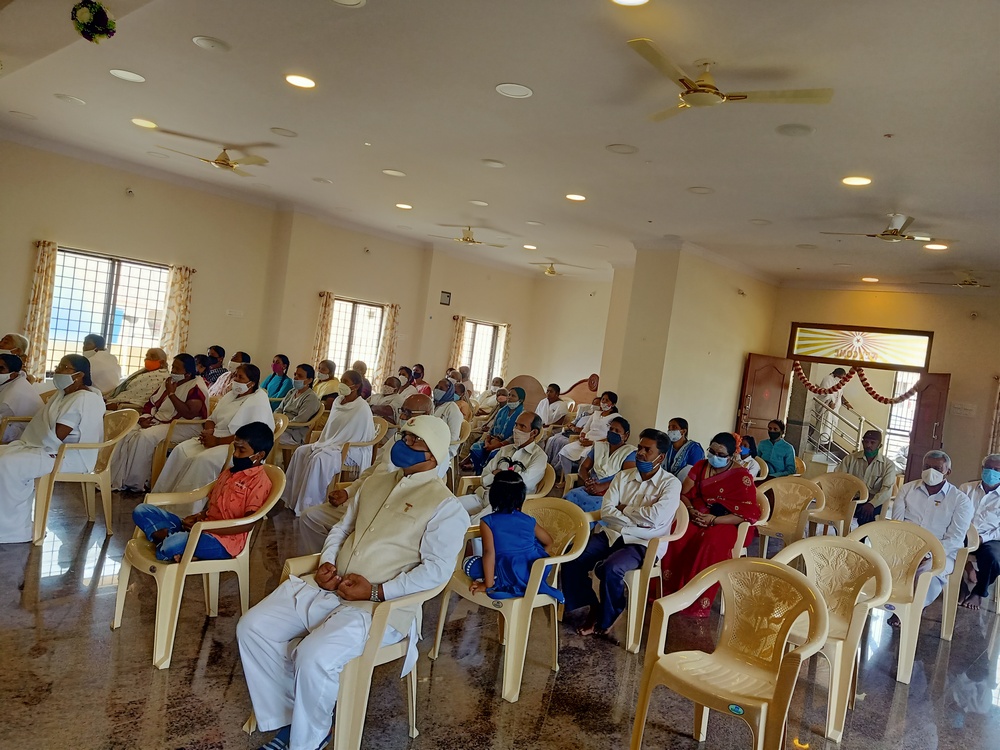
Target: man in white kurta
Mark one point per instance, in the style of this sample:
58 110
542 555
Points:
828 421
401 534
18 398
873 468
940 507
552 409
105 372
985 496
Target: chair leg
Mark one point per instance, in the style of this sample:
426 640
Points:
211 585
855 667
411 701
169 592
43 497
555 640
243 578
642 708
700 722
635 614
89 499
123 575
838 695
442 616
949 597
762 546
105 480
909 629
515 650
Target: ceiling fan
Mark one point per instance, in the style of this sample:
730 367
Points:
702 91
550 268
467 238
968 281
222 161
895 232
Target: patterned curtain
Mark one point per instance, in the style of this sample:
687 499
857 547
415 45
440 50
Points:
321 341
36 322
387 346
177 321
995 437
455 356
503 341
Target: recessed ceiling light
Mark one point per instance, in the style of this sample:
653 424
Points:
22 115
394 173
630 3
575 197
806 246
870 279
158 154
857 181
127 75
494 163
284 132
795 130
935 246
621 148
211 43
534 223
350 3
301 81
324 180
367 143
479 203
701 190
514 90
70 99
530 247
760 222
143 123
404 206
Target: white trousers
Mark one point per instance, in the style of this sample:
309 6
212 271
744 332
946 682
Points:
20 466
294 645
314 525
191 465
309 474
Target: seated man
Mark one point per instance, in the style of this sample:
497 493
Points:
105 372
136 389
522 456
777 452
401 534
985 497
639 506
941 508
465 373
238 492
875 470
17 396
552 409
487 404
387 403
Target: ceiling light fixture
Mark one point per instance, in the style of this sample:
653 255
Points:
127 75
493 163
857 181
367 143
143 123
479 203
350 3
70 99
576 197
22 115
393 173
697 190
301 81
211 43
795 130
530 247
621 148
285 132
935 246
534 223
514 90
404 206
870 280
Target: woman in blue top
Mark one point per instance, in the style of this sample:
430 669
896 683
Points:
778 453
512 541
683 452
501 430
277 384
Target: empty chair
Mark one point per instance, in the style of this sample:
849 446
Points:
749 674
793 501
843 493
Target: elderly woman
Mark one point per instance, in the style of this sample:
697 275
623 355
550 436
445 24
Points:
605 460
182 395
594 429
74 414
18 398
683 453
314 465
719 495
277 384
136 389
300 405
499 432
198 461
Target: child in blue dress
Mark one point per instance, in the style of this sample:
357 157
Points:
512 541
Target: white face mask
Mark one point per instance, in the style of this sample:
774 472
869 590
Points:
494 388
4 377
240 388
674 435
322 376
62 381
344 389
521 437
233 366
90 353
177 376
932 477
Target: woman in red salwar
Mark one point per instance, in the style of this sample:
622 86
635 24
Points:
719 495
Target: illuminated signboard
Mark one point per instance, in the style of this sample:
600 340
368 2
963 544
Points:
884 348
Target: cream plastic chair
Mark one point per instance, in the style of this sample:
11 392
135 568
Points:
949 600
7 421
903 546
116 425
853 579
800 467
281 423
141 555
166 445
287 450
471 483
46 395
637 581
381 427
749 674
454 470
793 497
743 529
840 490
570 530
764 469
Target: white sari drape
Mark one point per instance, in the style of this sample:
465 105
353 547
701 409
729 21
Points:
595 429
18 398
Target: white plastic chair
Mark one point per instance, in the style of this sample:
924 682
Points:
287 450
749 674
141 555
471 483
764 469
793 501
903 546
281 422
454 469
743 529
843 493
570 531
853 579
949 596
381 427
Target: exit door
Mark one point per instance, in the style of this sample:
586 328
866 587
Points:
928 420
764 395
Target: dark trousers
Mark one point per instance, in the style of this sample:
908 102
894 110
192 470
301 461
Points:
988 560
610 562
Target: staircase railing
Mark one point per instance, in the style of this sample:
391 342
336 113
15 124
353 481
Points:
846 433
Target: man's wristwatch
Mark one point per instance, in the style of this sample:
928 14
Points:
375 593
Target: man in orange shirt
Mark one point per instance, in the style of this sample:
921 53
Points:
237 493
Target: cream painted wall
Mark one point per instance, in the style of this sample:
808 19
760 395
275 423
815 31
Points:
963 346
614 332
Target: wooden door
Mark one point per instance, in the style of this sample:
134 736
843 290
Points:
764 395
928 421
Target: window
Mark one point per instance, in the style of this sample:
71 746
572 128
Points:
356 333
901 417
121 300
482 350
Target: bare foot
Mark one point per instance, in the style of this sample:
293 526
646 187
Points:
589 626
159 536
970 573
894 622
972 601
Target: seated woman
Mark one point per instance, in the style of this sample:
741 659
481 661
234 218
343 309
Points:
237 493
594 429
73 414
196 462
277 384
747 454
18 398
181 395
406 386
683 453
300 405
559 440
719 495
500 431
136 389
327 382
419 383
315 464
606 458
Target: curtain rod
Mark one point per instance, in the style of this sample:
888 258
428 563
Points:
38 243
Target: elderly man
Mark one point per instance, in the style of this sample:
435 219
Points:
875 470
639 506
104 368
941 508
552 409
488 402
16 344
985 496
400 535
223 385
388 403
466 379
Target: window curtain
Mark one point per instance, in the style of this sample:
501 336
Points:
503 341
386 347
455 356
321 341
995 437
177 320
36 322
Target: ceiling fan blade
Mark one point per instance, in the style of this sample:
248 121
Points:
667 67
240 172
926 238
789 96
850 234
443 237
570 265
252 161
492 245
666 114
199 158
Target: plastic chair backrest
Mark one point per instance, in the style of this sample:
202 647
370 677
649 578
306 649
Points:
280 425
46 395
764 470
546 485
903 546
563 520
116 424
840 489
800 466
792 495
464 431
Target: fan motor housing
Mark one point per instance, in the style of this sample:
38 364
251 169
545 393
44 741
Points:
703 98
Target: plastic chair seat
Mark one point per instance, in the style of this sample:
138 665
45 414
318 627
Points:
708 675
839 626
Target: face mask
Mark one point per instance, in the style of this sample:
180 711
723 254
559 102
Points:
277 368
322 376
501 399
241 464
991 477
240 388
773 435
233 366
388 391
4 377
344 389
418 375
513 405
177 376
932 477
403 456
605 406
438 394
716 462
871 454
90 353
646 467
744 451
152 365
298 385
494 388
521 437
673 435
62 381
614 438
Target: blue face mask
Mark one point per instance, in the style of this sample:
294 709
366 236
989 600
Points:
614 438
991 477
438 395
646 467
744 451
403 456
717 462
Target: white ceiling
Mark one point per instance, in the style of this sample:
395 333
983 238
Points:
416 80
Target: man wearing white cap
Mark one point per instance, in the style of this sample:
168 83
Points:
401 534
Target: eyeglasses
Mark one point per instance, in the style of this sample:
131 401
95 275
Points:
717 454
411 440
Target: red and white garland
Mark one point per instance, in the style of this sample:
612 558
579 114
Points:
846 379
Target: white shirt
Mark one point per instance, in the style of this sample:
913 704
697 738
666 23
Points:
551 412
452 416
650 507
986 517
947 514
530 455
833 400
469 389
105 371
18 399
488 404
82 411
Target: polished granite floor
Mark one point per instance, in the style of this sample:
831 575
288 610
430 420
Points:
67 680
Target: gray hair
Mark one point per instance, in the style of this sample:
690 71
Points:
20 342
939 454
994 457
330 365
159 354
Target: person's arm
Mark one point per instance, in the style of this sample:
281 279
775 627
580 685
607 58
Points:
897 511
651 520
987 521
543 536
585 467
954 535
340 531
490 470
788 460
489 560
888 482
611 515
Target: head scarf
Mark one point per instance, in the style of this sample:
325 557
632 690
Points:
449 395
520 393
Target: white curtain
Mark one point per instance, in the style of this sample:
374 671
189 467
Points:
36 321
503 344
177 321
387 346
321 341
995 437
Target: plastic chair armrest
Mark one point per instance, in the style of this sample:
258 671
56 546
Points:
179 498
467 484
299 566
